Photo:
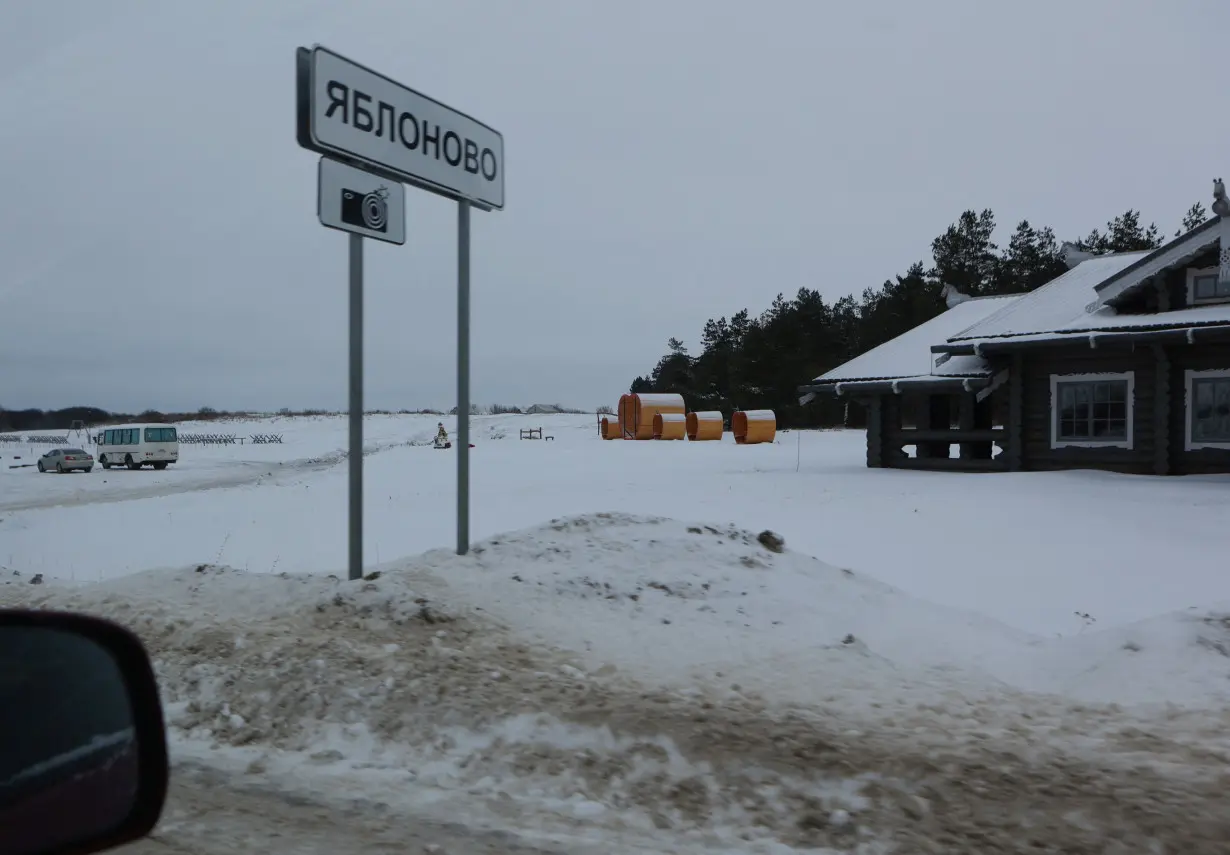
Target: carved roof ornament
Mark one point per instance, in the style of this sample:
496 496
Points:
1221 207
1074 255
953 296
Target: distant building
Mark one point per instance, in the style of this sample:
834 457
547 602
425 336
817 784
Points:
1121 364
544 410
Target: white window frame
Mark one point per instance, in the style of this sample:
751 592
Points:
1189 444
1192 273
1056 379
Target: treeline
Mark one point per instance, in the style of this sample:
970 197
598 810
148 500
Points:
747 362
37 420
64 419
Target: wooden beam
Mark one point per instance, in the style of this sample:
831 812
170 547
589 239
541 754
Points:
1163 293
1161 411
951 464
907 436
1014 452
890 423
998 380
875 432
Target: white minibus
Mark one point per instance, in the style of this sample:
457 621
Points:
135 446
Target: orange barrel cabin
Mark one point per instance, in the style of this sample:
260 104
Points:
624 412
753 426
704 426
609 428
636 412
669 425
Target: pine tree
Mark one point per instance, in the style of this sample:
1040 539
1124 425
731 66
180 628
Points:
965 255
1196 216
1031 259
1123 234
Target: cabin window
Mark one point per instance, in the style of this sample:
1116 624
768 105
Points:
1091 410
1203 287
1208 409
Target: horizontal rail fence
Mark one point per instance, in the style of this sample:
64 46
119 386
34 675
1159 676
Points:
47 440
10 438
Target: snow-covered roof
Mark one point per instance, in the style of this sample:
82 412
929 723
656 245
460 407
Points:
909 354
1067 305
1196 316
1064 305
1179 250
1054 306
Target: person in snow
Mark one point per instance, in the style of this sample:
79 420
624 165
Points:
441 434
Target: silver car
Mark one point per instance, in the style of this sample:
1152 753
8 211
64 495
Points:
66 460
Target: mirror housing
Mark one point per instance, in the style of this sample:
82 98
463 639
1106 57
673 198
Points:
83 766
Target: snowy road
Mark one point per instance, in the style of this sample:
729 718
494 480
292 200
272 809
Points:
121 485
210 814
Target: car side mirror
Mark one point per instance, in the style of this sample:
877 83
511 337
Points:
83 765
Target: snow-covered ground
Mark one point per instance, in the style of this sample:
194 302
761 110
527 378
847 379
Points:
951 663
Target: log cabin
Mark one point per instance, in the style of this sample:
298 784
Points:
1120 364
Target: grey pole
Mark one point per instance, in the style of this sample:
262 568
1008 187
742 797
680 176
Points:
463 377
356 406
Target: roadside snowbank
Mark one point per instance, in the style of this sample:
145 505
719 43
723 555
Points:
652 677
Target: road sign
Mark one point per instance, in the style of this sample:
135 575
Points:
359 202
347 111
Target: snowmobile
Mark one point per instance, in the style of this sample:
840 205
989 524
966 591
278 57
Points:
441 442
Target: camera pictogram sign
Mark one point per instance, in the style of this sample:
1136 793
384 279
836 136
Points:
361 203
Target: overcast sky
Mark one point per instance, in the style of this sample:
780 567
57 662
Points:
668 161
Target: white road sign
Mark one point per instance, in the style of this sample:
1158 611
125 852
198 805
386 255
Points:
359 202
349 111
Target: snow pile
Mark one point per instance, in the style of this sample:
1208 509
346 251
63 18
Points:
648 676
376 678
703 604
1181 658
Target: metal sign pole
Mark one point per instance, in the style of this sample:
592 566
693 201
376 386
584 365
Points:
361 190
356 407
463 377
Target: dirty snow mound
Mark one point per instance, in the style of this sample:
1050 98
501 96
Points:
708 606
650 676
375 678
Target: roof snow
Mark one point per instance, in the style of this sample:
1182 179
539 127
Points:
1069 304
1184 248
909 354
1054 306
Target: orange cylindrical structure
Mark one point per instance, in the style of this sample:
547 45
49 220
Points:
636 412
625 412
669 425
753 426
704 426
610 428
